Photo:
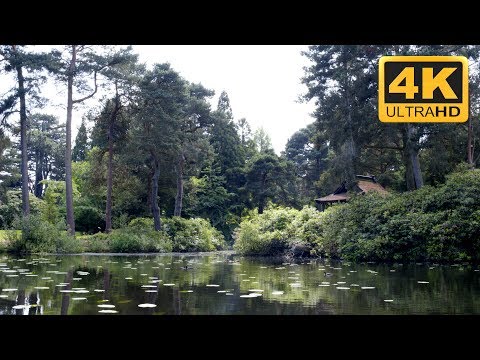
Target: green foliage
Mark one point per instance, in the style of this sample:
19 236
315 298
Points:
280 231
38 236
88 219
193 235
79 152
430 224
12 207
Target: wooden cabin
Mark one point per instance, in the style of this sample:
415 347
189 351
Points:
365 183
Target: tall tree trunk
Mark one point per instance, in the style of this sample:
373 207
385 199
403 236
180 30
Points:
23 138
470 143
155 207
262 198
179 197
68 147
413 172
108 210
38 191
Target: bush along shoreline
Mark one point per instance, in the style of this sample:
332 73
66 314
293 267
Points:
432 224
177 235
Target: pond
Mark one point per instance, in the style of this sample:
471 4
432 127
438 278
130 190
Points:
225 283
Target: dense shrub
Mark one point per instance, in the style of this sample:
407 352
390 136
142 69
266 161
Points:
39 236
280 231
88 219
177 235
193 234
430 224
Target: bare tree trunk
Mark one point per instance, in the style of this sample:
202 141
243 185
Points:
470 143
179 197
108 210
155 207
23 139
38 191
68 148
412 162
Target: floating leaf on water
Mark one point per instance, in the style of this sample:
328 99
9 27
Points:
9 290
277 292
41 287
147 305
99 290
388 300
423 282
108 311
168 284
79 298
16 307
212 285
343 288
367 287
107 306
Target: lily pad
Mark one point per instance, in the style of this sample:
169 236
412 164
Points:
147 305
18 307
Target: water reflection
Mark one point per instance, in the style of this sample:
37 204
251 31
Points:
224 283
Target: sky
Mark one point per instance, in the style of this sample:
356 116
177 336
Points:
263 83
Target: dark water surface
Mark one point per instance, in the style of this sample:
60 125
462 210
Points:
224 283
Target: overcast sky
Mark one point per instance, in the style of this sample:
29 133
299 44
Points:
262 81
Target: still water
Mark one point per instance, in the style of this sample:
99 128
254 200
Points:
225 283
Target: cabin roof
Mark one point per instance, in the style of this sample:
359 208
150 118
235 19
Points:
365 184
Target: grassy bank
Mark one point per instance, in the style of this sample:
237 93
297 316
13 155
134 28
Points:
439 224
179 235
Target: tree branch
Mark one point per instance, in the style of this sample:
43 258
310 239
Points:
91 95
